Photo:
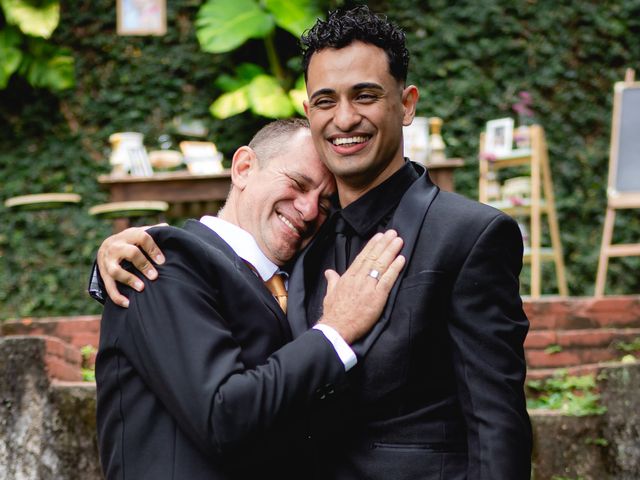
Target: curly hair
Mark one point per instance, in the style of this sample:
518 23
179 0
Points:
344 27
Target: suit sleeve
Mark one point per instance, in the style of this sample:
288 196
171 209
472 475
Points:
184 350
488 329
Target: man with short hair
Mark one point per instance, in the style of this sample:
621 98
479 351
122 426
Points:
199 378
439 390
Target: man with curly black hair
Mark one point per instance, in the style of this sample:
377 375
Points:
438 393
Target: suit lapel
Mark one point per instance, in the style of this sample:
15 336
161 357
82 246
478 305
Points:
296 311
407 220
212 238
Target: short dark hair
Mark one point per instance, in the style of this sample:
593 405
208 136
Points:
344 27
272 138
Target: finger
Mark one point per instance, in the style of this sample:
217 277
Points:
148 245
332 279
114 294
382 253
358 263
140 261
390 275
384 259
115 272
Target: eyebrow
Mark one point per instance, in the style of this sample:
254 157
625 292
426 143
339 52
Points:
301 177
357 86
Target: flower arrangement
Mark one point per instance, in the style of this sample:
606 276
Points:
526 115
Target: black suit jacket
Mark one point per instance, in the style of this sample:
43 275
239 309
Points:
189 386
439 391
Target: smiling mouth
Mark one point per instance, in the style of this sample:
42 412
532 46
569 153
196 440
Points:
349 141
286 221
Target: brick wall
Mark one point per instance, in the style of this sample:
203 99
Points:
578 333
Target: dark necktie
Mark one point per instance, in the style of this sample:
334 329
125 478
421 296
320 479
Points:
342 245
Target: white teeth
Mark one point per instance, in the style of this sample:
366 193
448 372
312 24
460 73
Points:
344 141
288 223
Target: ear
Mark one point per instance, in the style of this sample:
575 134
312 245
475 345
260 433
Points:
244 162
410 97
305 104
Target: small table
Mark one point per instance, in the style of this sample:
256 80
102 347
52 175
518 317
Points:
196 195
441 173
186 193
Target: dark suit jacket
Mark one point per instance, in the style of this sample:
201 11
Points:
188 387
439 392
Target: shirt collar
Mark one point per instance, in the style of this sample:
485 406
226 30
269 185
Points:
367 212
243 244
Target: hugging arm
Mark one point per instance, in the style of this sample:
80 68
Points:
134 245
178 333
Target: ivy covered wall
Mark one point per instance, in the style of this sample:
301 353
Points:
469 59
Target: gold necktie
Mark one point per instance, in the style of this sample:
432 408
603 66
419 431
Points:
276 286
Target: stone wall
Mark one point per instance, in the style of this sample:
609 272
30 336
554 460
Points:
47 418
47 426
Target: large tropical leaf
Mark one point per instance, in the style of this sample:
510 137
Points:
46 66
298 95
245 72
267 98
38 19
295 16
231 103
222 25
10 56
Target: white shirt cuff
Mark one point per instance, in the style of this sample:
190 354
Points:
342 348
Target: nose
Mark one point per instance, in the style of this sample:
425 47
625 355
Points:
346 116
307 205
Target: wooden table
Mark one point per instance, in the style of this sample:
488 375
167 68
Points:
187 194
196 195
441 173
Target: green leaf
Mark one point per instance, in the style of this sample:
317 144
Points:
38 21
298 95
295 16
230 104
45 66
223 25
268 99
10 56
245 73
249 71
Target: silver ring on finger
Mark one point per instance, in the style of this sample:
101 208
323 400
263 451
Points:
375 274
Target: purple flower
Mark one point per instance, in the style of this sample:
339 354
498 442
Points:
522 107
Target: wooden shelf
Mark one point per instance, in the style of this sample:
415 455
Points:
540 203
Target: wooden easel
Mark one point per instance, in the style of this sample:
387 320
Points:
623 191
542 202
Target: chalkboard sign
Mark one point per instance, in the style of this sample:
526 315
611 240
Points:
625 139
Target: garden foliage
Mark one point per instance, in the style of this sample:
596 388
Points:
470 60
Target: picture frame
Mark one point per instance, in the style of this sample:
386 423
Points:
499 138
141 17
416 140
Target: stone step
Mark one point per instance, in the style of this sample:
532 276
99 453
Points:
562 313
62 360
576 370
554 349
77 330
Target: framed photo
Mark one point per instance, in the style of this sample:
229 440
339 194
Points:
499 138
142 17
416 140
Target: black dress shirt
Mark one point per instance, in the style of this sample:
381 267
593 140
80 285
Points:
349 229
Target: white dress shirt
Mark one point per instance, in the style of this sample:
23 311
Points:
245 246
